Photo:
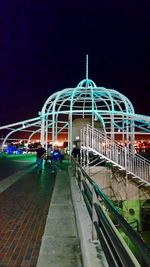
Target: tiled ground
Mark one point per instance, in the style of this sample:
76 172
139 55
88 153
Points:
23 211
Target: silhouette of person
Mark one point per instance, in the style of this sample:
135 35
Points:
40 156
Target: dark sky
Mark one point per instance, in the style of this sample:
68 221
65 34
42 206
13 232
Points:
43 45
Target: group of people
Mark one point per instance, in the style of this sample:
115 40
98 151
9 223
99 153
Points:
54 155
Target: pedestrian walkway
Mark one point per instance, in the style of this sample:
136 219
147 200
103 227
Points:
23 212
25 208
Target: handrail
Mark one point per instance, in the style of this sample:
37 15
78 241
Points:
98 131
96 141
116 245
102 198
134 236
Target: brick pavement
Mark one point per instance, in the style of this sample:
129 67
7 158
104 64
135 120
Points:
23 211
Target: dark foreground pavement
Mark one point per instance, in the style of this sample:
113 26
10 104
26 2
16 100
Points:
23 211
14 163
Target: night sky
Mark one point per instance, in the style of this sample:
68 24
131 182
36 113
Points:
43 45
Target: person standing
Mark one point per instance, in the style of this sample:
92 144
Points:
56 158
76 152
40 156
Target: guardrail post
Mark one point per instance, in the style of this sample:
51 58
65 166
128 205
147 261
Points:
94 215
81 185
125 158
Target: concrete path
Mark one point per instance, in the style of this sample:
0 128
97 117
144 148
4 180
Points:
60 244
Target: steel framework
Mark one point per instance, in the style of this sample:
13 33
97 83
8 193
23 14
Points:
112 110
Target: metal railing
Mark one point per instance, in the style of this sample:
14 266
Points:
106 221
96 141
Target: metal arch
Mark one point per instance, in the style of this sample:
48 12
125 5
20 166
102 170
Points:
116 103
86 93
50 106
52 113
45 127
78 88
15 130
63 127
47 101
18 123
101 119
58 108
142 128
88 83
36 131
42 115
91 90
142 118
54 133
95 94
111 115
124 99
104 100
53 96
37 120
66 99
70 118
108 93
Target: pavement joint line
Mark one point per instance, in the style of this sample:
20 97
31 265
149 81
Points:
60 205
8 181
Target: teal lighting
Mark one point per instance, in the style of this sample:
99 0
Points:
112 109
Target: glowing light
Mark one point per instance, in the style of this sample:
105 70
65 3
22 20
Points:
58 143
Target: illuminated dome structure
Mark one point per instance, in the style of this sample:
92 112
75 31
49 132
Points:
110 108
106 109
